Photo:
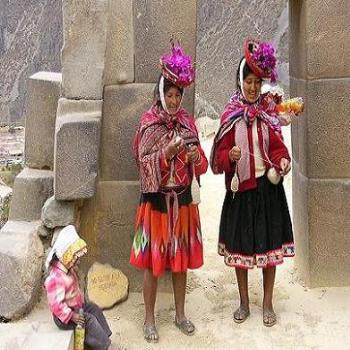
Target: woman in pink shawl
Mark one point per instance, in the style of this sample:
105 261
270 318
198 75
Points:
169 158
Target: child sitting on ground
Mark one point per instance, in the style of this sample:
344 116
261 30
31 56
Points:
64 296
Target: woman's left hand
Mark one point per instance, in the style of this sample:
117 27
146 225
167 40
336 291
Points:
285 166
193 154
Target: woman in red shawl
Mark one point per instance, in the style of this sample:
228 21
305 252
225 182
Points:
255 227
169 158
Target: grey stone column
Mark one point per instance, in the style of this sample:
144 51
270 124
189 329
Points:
320 72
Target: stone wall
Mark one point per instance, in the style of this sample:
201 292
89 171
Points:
30 41
221 30
321 140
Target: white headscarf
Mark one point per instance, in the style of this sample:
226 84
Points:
68 244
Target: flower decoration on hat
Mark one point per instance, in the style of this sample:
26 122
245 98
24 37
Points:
261 59
177 67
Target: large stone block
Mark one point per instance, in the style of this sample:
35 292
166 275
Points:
329 230
122 109
319 45
119 65
43 92
76 148
155 22
21 257
323 128
32 188
84 50
321 227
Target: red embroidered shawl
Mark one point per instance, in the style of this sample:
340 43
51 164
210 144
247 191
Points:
156 130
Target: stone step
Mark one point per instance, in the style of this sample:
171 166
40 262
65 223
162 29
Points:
35 336
36 331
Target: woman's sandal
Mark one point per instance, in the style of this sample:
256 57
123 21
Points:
150 333
185 326
241 314
269 318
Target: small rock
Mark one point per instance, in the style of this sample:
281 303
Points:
44 231
57 213
106 286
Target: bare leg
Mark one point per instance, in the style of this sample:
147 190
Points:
269 317
150 284
179 285
242 279
241 314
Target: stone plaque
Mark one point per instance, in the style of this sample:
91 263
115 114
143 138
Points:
106 286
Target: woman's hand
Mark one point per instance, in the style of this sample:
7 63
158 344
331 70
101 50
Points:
285 166
234 154
193 153
78 319
174 147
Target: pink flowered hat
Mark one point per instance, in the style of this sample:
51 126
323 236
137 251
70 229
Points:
177 67
261 59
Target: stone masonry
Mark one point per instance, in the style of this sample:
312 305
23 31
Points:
319 34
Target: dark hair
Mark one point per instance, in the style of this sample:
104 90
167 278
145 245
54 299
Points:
167 86
54 259
246 72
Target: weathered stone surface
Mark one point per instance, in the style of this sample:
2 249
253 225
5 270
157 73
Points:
301 223
106 286
221 31
122 109
31 190
318 131
44 232
321 227
21 255
119 65
155 22
83 53
30 40
320 39
57 213
77 148
43 94
5 201
299 126
36 334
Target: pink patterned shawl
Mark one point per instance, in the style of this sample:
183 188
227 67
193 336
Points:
240 113
156 130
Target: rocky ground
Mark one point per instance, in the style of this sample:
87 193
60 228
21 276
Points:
308 319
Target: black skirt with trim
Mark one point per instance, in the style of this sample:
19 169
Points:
255 227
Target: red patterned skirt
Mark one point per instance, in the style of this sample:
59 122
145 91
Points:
168 233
